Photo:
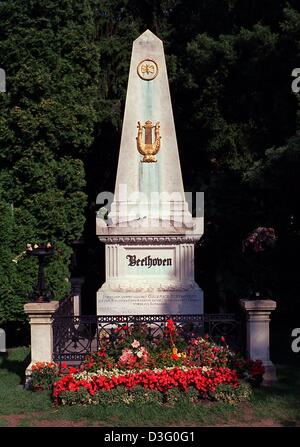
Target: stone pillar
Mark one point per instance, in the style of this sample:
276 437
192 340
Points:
258 334
40 320
76 294
2 341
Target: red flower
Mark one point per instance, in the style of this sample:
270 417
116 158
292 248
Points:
203 381
171 326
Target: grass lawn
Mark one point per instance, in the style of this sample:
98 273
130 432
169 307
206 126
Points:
277 406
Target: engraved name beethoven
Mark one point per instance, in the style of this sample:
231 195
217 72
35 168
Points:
148 261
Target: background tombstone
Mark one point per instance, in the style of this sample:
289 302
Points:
2 341
2 81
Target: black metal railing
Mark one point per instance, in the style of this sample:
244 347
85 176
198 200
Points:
60 331
231 326
66 306
74 337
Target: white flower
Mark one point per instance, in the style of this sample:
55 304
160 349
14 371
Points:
17 258
116 372
206 368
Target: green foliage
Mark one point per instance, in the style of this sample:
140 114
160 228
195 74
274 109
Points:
140 396
47 122
233 396
81 397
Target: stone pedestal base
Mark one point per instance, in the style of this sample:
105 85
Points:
270 376
150 300
258 334
40 320
2 341
150 274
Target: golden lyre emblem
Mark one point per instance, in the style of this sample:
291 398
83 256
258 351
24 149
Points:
148 149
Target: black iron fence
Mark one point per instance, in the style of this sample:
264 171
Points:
66 307
74 337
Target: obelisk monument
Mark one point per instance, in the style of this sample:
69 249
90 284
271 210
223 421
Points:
150 233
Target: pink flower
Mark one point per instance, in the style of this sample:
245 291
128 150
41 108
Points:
135 344
126 355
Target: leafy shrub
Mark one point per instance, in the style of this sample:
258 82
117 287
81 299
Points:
172 396
44 374
232 395
143 396
80 396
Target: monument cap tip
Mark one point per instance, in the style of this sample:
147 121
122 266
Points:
147 35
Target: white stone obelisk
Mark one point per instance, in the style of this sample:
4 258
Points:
148 99
150 234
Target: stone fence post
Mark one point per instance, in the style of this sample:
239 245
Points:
40 320
258 334
2 341
76 284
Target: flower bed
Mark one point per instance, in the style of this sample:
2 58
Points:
137 369
202 382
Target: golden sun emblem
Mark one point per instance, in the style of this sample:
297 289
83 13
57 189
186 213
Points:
147 69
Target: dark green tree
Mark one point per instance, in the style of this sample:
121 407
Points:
47 120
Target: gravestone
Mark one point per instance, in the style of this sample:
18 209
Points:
2 81
2 340
149 232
